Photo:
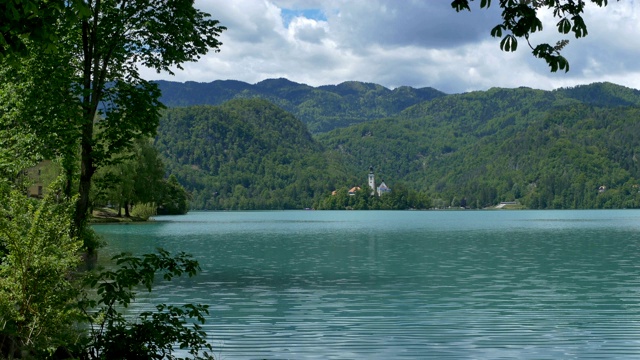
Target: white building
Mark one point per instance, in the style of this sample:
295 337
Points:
383 188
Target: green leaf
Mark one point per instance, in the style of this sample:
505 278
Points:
579 27
536 25
509 43
497 31
563 64
460 5
564 26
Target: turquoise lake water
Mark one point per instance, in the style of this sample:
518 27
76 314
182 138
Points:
405 284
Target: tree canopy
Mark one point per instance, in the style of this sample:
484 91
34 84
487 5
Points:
118 37
88 92
22 21
545 149
520 18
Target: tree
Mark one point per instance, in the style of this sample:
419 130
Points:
136 178
44 311
520 20
116 39
175 199
37 112
107 104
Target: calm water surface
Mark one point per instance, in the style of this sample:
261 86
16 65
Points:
405 285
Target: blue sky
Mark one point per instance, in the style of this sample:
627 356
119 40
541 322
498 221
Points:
289 14
418 43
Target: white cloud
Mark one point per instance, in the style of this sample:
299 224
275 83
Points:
308 30
409 42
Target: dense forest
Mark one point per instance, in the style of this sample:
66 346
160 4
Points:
321 108
562 149
246 154
544 149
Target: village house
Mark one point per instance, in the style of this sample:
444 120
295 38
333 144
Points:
39 177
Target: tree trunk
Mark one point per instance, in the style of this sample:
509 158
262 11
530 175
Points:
87 169
90 100
126 209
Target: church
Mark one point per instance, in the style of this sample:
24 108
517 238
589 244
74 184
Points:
383 188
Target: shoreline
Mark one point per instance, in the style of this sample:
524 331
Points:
110 216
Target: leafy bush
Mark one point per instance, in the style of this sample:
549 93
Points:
152 334
37 293
144 211
47 309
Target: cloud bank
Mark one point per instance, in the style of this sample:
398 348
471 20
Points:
411 42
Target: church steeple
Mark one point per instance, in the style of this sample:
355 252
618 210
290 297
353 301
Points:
372 181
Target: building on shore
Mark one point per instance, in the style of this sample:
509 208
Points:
382 189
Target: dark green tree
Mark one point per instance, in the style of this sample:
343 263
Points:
136 178
174 200
106 104
117 38
521 18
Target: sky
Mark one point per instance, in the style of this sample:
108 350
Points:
417 43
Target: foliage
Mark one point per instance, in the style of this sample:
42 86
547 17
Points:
175 199
116 39
547 149
321 108
28 132
136 178
144 210
400 198
36 287
33 20
98 99
45 310
152 334
84 94
245 154
521 18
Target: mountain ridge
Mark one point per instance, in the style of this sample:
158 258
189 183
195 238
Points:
322 108
546 149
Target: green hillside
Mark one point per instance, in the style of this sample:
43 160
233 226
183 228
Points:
322 109
603 94
544 149
245 154
568 148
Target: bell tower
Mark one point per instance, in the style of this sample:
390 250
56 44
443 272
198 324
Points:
372 181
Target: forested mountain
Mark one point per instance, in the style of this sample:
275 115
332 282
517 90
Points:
546 149
245 154
322 108
567 148
603 94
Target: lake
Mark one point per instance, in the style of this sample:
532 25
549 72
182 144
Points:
405 284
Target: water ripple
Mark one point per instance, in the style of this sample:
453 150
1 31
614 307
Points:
559 285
